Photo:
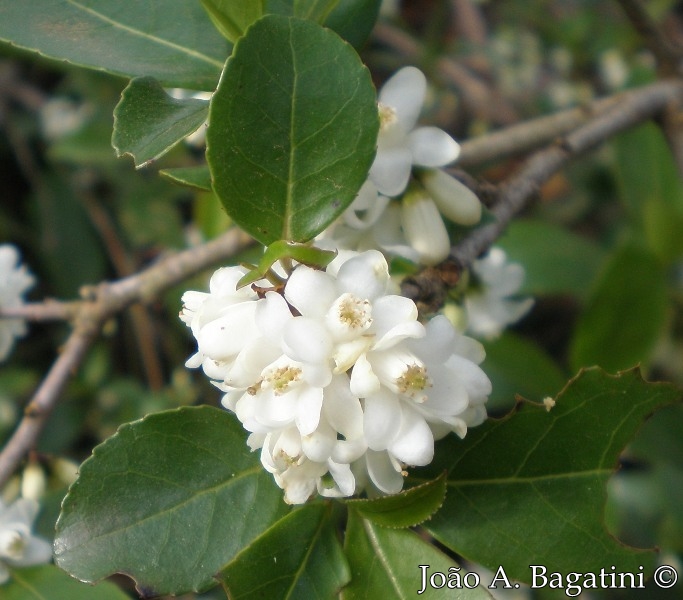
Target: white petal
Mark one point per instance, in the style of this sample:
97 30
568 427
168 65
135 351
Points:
36 552
432 147
424 229
309 404
382 419
366 208
365 275
382 472
363 381
318 445
224 337
414 443
454 200
389 234
341 409
343 478
271 315
310 291
405 92
306 340
391 169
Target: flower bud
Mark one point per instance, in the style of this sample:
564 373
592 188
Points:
424 228
455 201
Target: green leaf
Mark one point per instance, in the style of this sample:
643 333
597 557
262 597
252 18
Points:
293 128
509 360
47 581
299 557
354 19
530 489
405 509
570 268
625 313
148 122
650 185
194 177
385 564
232 17
277 251
172 41
168 500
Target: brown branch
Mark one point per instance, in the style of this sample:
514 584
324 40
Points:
109 299
48 310
633 108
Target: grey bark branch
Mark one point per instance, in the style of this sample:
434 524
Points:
109 298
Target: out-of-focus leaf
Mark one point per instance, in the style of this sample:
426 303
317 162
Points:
172 41
168 500
624 315
354 19
509 361
647 493
232 17
646 169
556 261
313 10
47 581
385 564
298 557
405 509
539 478
194 177
292 132
148 122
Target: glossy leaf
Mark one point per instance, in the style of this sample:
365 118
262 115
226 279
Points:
148 122
194 177
47 581
172 41
509 360
292 132
530 489
405 509
232 17
385 564
168 500
299 557
625 313
570 268
354 19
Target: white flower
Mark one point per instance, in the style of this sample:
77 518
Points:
18 546
400 145
491 305
15 281
333 371
411 227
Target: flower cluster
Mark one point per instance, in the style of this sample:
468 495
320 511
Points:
15 281
413 227
491 303
18 546
338 383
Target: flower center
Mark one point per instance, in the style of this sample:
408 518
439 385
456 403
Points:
354 312
387 116
413 380
281 378
12 545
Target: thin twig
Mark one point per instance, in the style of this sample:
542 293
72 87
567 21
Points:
635 107
428 288
668 56
109 299
48 310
